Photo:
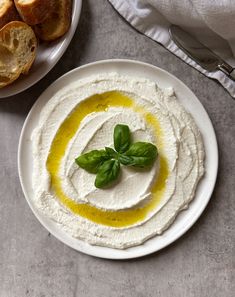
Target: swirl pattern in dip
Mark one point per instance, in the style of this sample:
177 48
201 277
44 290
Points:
142 203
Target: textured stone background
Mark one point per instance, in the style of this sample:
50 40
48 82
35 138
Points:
35 264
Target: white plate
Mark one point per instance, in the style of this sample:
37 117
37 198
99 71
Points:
164 79
48 55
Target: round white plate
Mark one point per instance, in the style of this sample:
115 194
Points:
48 54
164 79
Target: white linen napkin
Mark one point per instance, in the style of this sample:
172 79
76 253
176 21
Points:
212 22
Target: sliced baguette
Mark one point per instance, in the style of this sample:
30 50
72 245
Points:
34 11
18 45
8 12
58 23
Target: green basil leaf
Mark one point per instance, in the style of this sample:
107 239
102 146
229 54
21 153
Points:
111 152
91 161
122 138
125 160
107 173
140 154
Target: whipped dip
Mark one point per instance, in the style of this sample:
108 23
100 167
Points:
142 203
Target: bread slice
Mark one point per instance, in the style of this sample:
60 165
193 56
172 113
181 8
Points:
8 12
58 23
34 11
18 45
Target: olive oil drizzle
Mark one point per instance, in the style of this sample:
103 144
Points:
98 103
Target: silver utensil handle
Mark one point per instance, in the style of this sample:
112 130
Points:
232 74
227 69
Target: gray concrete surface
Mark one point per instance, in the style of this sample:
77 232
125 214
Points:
33 263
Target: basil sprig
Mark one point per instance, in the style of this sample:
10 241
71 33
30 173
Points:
121 138
140 154
93 160
107 173
106 163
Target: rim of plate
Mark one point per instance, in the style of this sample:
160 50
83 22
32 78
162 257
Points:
206 185
63 44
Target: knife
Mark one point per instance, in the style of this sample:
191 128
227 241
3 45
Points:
199 52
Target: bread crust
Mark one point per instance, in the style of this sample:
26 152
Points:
58 23
35 11
8 13
13 48
50 19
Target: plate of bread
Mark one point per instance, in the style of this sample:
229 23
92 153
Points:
34 34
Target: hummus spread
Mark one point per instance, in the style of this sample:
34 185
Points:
143 203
